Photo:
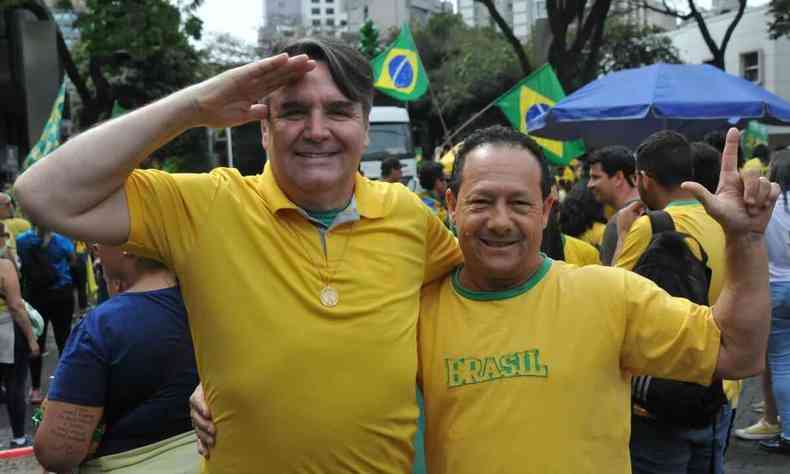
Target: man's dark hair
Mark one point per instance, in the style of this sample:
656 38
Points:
613 159
665 156
707 165
349 69
428 172
388 165
500 136
762 153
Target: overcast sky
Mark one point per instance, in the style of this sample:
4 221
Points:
243 18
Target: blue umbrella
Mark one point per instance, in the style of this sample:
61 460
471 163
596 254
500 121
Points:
624 107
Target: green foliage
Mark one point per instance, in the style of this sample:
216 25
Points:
779 19
630 45
369 39
468 67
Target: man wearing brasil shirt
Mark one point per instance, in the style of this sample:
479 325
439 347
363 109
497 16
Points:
525 362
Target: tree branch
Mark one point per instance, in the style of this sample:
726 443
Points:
667 10
718 58
508 32
733 24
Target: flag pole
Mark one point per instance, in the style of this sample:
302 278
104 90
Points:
471 119
438 109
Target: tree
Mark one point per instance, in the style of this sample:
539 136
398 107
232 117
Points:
468 68
577 28
518 48
224 51
369 39
133 51
629 45
716 50
779 19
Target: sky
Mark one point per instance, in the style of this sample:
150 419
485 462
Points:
245 16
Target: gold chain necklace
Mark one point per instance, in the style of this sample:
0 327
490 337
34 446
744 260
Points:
328 296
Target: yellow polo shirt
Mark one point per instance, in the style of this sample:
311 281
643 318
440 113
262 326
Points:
594 235
579 252
293 386
536 380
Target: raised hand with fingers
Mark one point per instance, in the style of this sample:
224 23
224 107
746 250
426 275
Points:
232 98
742 203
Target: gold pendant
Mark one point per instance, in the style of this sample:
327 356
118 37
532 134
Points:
329 297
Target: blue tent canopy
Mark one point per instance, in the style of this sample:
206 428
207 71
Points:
624 107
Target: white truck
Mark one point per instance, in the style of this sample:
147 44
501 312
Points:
390 137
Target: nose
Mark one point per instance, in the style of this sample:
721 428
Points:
316 127
499 221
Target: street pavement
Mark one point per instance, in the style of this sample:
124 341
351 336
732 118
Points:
743 457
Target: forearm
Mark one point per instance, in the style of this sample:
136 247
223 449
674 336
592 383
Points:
21 318
85 171
743 310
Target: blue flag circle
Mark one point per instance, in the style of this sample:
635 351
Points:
401 71
536 110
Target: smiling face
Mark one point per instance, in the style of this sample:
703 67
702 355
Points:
315 137
500 214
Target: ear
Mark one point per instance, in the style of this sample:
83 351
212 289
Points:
264 133
450 201
548 205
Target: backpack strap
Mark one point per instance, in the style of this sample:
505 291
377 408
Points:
660 221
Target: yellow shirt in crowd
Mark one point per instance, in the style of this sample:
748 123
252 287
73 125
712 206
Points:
536 380
293 386
594 235
579 252
690 218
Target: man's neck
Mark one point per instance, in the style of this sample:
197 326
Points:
149 281
488 283
624 199
677 194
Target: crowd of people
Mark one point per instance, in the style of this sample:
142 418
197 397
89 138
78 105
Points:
522 314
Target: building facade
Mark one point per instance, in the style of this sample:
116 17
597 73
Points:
390 14
750 54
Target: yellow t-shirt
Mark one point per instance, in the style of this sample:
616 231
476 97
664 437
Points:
16 226
537 381
579 252
691 218
594 235
755 164
293 386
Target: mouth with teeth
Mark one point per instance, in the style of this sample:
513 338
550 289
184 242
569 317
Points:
317 154
498 243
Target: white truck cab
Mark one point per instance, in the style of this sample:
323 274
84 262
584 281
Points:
390 136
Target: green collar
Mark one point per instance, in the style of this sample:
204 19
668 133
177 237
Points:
505 294
683 202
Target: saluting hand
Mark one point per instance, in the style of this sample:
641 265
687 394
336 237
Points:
231 98
743 203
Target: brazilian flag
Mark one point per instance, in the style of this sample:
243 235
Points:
50 136
531 98
398 70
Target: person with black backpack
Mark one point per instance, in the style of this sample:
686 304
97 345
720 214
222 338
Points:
47 285
677 427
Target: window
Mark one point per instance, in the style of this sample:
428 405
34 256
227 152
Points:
316 22
343 23
315 11
330 11
751 66
330 22
540 9
330 1
316 1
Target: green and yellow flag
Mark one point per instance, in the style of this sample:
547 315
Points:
398 70
532 97
50 137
